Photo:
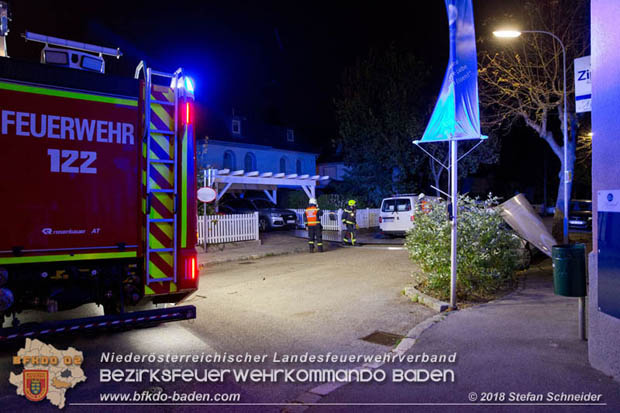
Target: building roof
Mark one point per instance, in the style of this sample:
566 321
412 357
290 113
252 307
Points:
331 154
219 127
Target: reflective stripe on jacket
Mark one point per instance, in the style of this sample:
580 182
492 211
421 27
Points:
348 216
312 215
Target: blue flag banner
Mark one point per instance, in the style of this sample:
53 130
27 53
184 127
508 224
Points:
457 115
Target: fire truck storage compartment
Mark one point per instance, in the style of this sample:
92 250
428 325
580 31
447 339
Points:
69 159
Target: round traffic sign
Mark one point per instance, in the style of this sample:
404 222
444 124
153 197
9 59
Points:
207 194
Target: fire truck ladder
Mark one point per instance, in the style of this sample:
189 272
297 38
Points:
161 118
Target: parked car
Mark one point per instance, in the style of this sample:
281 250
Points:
269 215
397 213
580 214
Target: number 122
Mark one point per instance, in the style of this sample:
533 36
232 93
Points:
69 157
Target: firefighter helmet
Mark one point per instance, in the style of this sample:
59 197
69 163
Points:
352 202
312 201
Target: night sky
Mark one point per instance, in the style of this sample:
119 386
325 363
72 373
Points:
249 55
259 57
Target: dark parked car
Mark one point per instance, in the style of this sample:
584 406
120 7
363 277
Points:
580 214
269 215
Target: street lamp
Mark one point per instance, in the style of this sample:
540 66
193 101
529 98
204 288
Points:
517 33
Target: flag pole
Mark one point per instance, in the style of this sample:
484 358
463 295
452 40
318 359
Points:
456 115
454 199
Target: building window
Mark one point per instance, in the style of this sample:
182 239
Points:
236 127
290 135
249 162
283 164
298 167
229 160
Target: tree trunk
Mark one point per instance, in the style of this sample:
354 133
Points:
436 171
558 218
437 178
557 229
571 168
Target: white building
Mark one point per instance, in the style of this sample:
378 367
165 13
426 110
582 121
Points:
235 143
335 170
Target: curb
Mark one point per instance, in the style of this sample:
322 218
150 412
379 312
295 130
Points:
233 245
419 297
313 396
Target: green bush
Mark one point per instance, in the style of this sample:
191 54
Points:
299 200
346 190
294 200
331 202
487 251
210 208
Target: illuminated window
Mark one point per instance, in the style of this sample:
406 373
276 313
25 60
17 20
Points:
236 127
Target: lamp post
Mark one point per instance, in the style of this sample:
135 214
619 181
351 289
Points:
517 33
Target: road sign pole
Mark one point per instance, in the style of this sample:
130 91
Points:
204 214
454 198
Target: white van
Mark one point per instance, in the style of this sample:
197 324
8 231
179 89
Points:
397 213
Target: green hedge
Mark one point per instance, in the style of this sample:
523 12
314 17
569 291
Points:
487 251
299 200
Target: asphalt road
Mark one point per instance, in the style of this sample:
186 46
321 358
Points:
363 237
293 304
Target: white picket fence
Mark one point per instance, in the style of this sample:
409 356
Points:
332 220
218 229
368 217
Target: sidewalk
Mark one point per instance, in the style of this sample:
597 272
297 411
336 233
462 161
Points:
524 342
272 243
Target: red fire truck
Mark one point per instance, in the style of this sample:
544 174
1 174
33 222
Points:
97 189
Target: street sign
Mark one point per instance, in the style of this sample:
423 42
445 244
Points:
206 194
583 85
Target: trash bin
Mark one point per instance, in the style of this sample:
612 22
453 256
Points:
569 270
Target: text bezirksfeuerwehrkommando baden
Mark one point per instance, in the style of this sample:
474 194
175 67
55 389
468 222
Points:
144 368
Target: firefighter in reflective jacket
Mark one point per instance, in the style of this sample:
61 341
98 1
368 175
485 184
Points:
313 222
348 218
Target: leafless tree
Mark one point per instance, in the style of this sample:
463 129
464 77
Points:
522 79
